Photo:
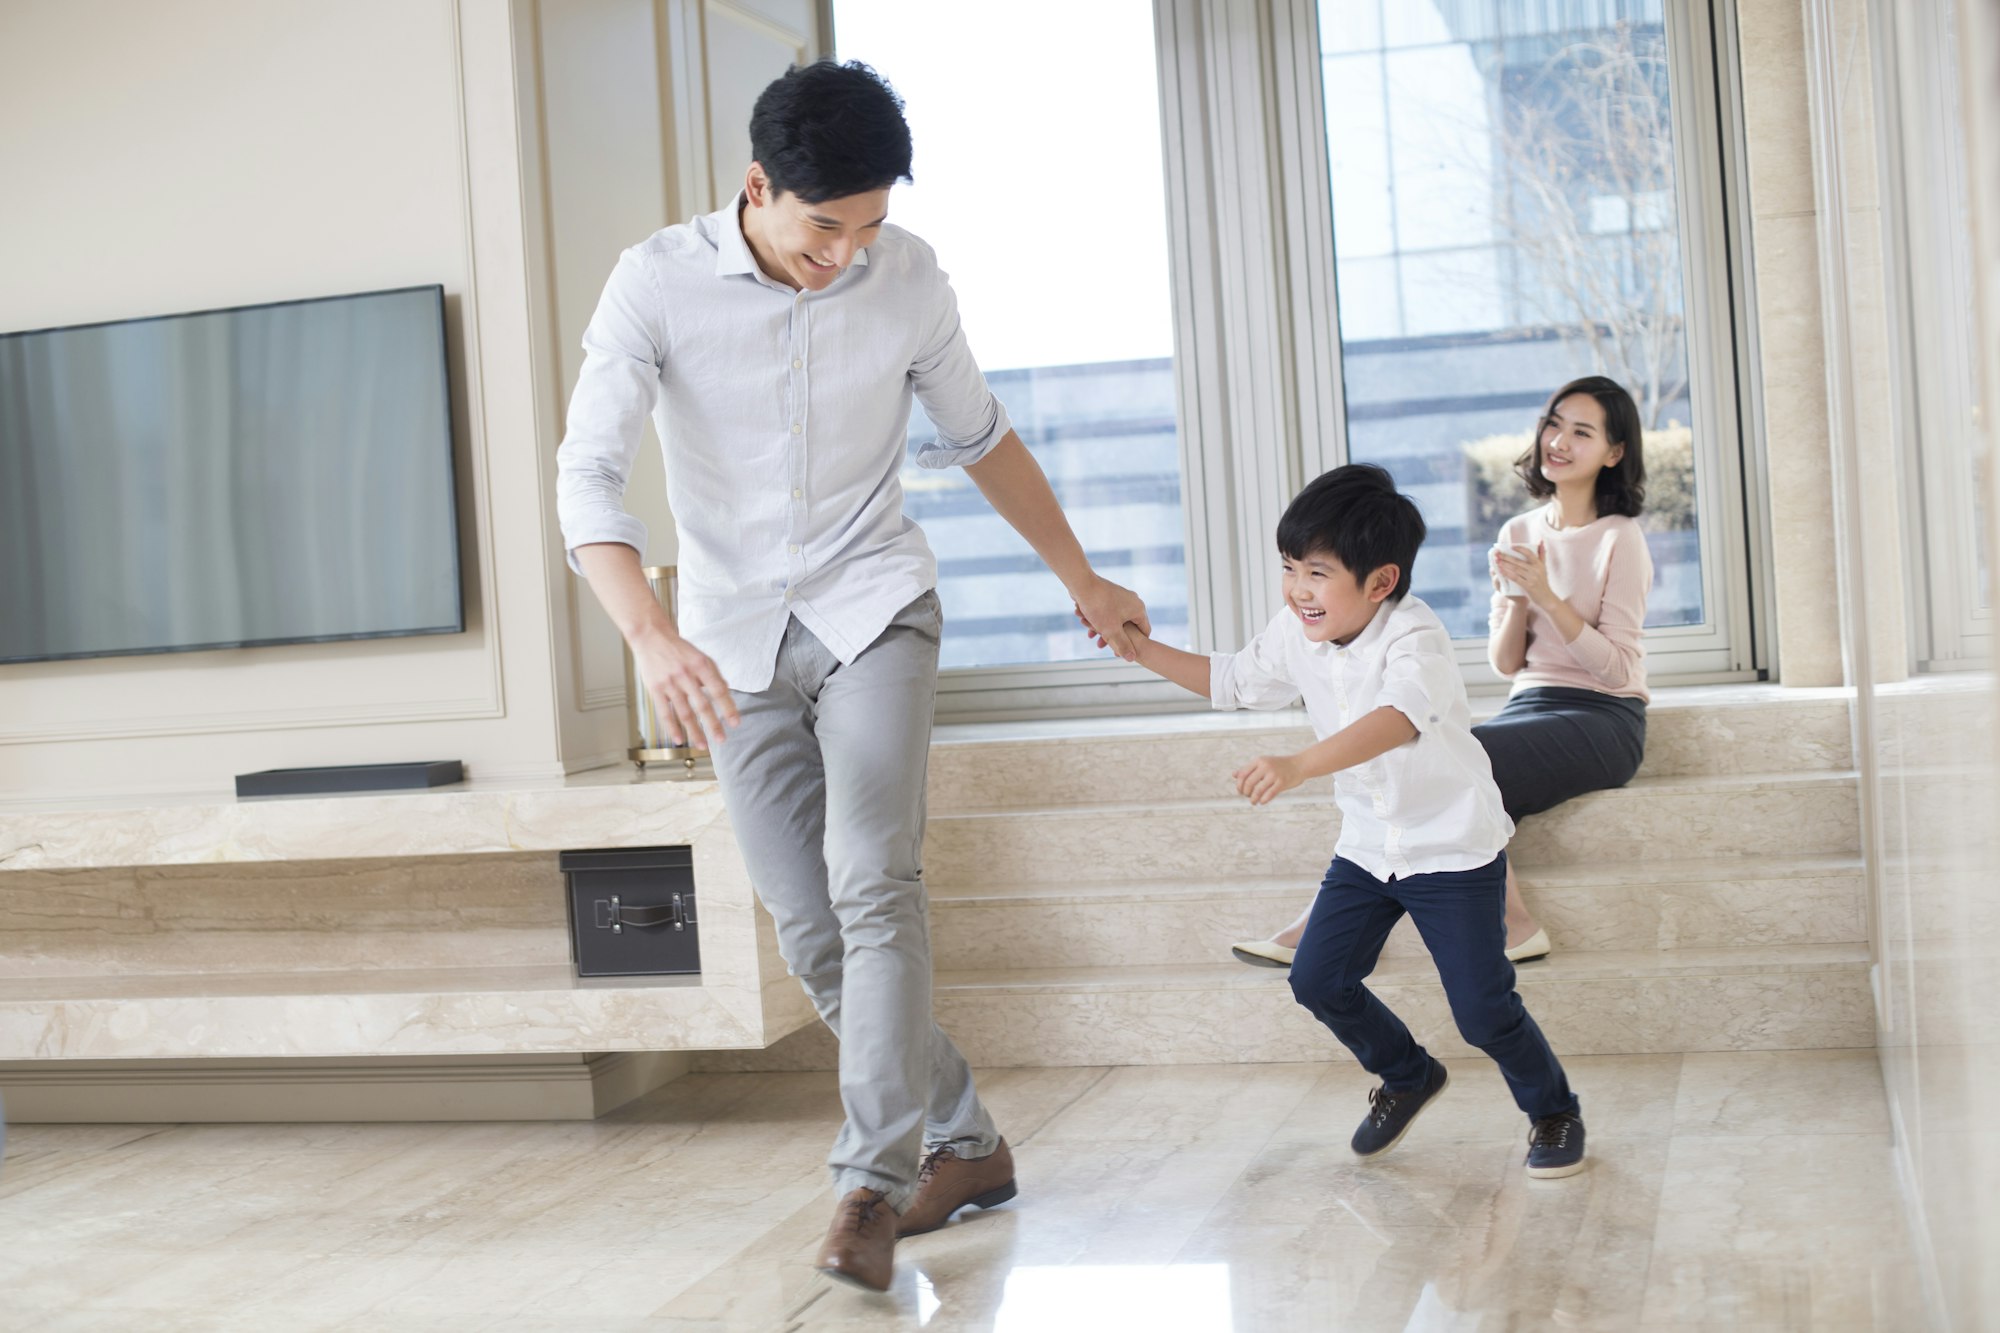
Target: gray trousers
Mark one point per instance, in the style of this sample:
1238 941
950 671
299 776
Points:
824 781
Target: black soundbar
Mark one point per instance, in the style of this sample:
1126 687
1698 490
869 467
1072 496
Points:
351 777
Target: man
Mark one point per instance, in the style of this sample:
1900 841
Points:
780 341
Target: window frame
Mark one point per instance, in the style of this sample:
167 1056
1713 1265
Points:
1706 105
1260 405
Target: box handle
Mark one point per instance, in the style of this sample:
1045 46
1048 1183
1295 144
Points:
615 916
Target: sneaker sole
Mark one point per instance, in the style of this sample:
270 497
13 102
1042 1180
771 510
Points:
1557 1172
1409 1124
991 1199
1256 960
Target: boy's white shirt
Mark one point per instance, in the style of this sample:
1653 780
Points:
1428 805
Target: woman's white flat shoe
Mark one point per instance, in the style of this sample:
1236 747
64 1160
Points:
1262 953
1535 946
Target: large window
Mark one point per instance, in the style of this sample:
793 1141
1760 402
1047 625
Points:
1038 182
1506 218
1205 251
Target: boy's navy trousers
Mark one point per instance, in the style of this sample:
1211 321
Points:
1462 916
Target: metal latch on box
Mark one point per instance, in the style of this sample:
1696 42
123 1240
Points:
614 916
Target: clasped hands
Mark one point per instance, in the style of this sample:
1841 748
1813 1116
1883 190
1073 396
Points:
1102 603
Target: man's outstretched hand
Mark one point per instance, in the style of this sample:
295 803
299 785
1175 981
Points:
1105 608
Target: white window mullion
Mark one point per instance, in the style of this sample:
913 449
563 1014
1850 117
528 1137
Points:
1706 187
1214 569
1235 245
1314 304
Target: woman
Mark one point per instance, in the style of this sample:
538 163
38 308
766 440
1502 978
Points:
1570 581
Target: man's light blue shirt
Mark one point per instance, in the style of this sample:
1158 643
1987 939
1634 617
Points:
783 416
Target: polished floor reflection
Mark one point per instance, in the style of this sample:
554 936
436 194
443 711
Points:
1730 1191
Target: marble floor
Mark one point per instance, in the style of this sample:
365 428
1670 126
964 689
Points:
1730 1191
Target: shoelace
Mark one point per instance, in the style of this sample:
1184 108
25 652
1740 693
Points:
1550 1132
932 1161
1381 1105
858 1213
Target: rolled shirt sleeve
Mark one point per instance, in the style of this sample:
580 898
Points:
947 381
1261 675
615 392
1420 679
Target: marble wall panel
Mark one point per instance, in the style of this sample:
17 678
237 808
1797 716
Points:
605 808
1771 732
1252 1018
1646 822
483 1012
280 916
1803 735
1927 744
1295 836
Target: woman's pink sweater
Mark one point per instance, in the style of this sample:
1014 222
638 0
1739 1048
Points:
1604 570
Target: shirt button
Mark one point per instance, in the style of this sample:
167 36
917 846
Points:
789 594
798 365
793 548
798 494
798 429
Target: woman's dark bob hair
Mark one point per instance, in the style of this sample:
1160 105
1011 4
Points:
1621 488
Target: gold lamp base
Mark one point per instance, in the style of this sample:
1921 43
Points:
691 761
647 732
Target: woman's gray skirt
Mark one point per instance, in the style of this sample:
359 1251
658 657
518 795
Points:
1550 744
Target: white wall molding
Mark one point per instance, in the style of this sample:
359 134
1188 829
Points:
474 372
205 724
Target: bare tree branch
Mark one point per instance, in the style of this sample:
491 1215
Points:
1598 137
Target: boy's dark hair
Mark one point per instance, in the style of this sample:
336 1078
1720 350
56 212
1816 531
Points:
827 130
1621 488
1356 515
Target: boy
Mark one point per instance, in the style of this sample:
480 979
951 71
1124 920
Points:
1422 828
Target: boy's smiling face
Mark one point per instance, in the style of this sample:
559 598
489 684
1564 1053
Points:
1332 604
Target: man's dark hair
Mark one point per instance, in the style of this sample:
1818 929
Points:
827 130
1356 515
1621 488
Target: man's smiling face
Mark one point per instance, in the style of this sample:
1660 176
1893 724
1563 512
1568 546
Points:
806 246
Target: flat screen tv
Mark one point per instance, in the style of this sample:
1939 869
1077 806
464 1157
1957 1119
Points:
266 474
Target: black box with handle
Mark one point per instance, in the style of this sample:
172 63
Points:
632 912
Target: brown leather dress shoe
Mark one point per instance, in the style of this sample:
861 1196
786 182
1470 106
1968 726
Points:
861 1244
949 1182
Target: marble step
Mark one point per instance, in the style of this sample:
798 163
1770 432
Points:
381 1012
1691 732
1615 1002
1621 906
1652 819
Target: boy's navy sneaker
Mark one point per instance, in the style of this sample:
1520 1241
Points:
1555 1146
1391 1113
